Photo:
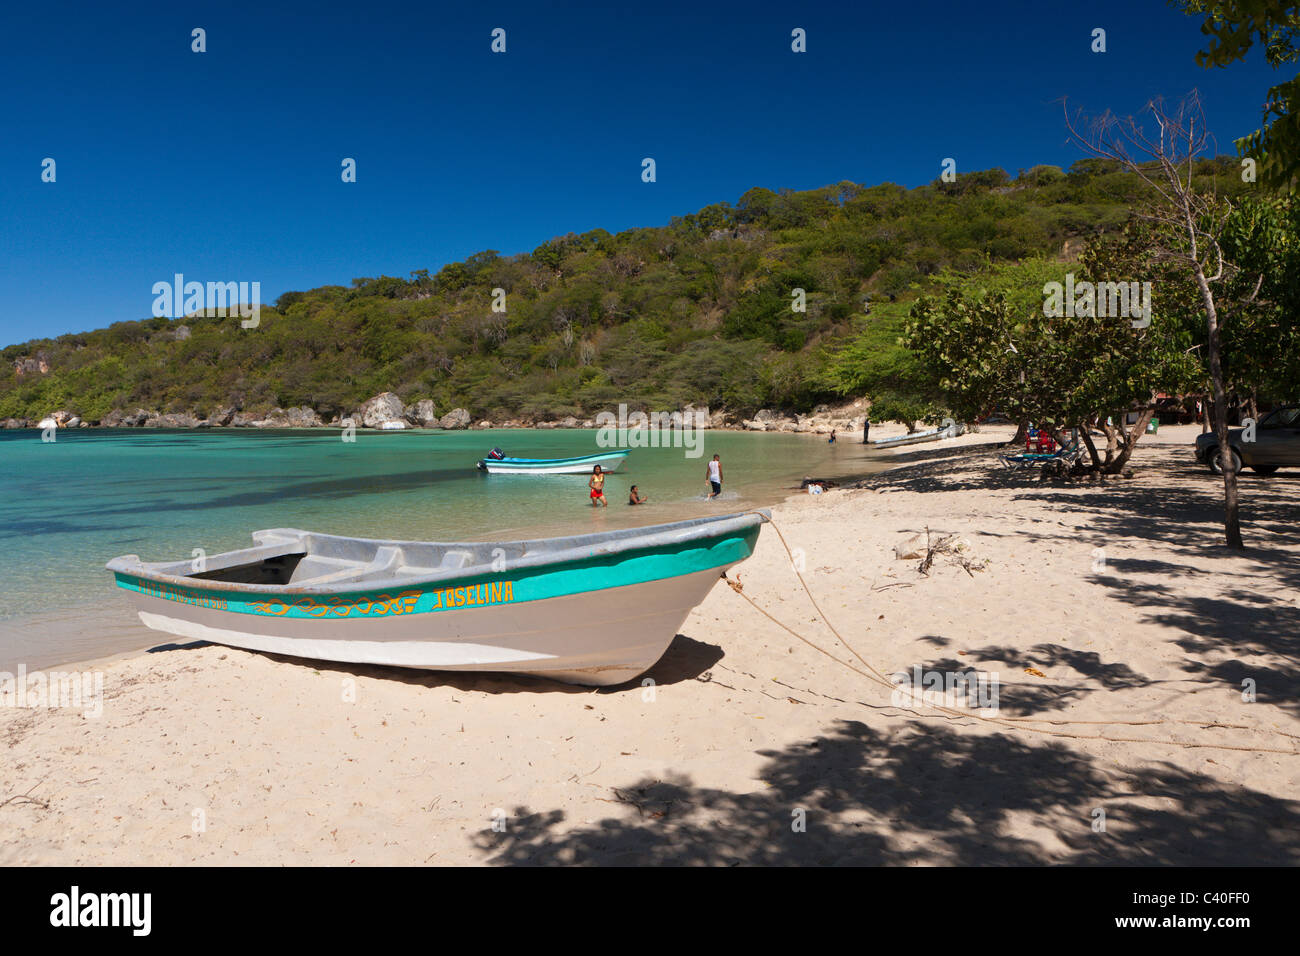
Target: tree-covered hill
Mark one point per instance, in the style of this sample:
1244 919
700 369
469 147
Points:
699 310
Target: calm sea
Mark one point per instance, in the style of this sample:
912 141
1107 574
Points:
68 506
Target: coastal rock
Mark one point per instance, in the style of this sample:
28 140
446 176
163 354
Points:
422 414
222 415
138 418
765 415
16 423
484 424
47 422
302 417
396 425
73 422
567 421
173 420
456 418
756 426
384 407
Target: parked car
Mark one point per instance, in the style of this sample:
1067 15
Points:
1276 444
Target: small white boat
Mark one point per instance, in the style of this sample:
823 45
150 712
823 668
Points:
608 461
593 609
934 434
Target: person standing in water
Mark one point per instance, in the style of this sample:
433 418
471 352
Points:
635 497
866 428
714 476
597 486
831 440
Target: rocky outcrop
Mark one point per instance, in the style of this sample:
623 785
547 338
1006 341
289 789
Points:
456 418
384 407
223 415
16 423
119 419
422 414
28 366
300 417
172 420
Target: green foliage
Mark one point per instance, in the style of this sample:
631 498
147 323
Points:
1235 26
695 311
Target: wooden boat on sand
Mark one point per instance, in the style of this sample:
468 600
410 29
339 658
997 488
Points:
593 609
934 434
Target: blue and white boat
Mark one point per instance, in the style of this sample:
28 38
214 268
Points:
593 609
608 461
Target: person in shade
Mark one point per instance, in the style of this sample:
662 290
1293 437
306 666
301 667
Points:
831 440
597 486
713 474
635 497
866 428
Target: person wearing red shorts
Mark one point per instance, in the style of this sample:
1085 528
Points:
597 486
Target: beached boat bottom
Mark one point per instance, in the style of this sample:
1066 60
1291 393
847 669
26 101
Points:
597 638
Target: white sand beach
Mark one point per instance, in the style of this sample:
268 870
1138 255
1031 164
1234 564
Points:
1090 602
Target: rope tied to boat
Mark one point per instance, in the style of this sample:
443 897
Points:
1024 724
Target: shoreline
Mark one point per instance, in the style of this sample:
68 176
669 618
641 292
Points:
289 761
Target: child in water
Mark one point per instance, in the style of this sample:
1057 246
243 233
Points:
635 497
597 486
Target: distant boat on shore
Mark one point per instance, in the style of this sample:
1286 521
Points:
608 461
595 609
934 434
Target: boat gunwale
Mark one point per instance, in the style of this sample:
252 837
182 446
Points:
577 548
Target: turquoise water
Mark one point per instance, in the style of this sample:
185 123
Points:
68 506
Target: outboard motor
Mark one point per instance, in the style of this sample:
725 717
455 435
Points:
496 454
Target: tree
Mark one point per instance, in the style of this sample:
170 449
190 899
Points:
1188 224
1012 350
1235 26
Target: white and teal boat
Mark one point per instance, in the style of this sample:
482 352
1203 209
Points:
608 461
592 609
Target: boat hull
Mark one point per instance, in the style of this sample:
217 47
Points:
565 638
598 616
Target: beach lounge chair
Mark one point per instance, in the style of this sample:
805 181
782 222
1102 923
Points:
1066 454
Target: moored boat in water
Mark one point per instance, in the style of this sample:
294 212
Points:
594 609
608 461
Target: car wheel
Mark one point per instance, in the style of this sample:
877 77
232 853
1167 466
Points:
1216 465
1264 469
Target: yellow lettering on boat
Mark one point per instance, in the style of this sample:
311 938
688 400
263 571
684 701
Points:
460 597
510 591
494 592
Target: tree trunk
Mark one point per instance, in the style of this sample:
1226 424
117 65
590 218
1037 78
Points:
1128 440
1086 433
1022 432
1231 520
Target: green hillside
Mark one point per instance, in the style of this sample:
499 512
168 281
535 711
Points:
696 311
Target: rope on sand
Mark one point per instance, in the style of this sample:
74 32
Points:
1011 723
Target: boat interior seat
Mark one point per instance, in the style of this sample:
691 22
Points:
456 559
387 559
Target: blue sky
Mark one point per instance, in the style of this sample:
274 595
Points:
225 166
